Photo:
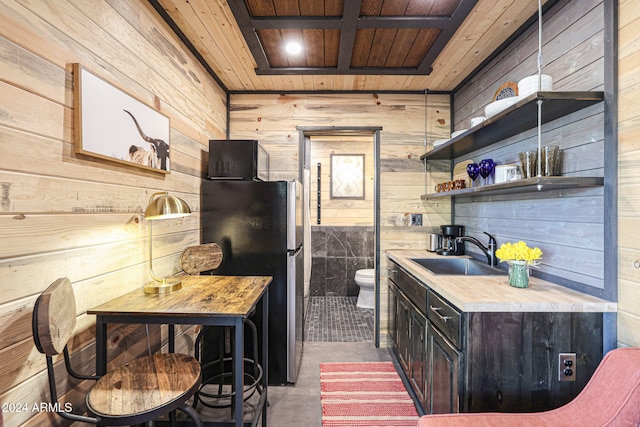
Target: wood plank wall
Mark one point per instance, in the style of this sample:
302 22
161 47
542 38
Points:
566 225
629 184
272 119
65 215
340 212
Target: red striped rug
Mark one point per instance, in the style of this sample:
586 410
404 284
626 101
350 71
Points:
364 395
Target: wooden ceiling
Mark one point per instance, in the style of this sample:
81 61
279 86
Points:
348 45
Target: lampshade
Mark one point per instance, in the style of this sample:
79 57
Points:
164 206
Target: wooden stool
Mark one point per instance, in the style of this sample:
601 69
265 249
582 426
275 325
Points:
195 260
137 392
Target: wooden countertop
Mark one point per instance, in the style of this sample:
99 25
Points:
493 293
199 296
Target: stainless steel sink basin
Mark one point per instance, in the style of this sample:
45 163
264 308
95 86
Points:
457 266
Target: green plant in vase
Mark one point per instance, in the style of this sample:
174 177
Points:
520 258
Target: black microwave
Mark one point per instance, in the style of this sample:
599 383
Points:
238 159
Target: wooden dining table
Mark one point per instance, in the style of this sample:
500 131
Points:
202 300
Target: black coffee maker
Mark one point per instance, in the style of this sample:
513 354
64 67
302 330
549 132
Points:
449 244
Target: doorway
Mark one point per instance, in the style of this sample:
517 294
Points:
333 194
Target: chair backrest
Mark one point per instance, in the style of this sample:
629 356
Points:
612 395
54 317
205 257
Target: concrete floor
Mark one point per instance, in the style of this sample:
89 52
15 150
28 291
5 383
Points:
299 405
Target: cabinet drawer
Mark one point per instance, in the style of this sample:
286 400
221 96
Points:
446 318
415 291
392 271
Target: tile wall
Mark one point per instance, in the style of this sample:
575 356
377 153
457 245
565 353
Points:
337 253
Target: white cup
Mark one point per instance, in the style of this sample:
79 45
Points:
475 121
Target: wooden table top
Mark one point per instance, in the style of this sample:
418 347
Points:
200 296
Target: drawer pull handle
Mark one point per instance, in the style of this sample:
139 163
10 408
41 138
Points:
436 311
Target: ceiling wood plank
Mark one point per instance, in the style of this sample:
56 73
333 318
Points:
250 36
461 12
382 43
261 7
216 34
229 52
314 48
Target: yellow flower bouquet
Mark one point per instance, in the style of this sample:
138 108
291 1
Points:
520 257
518 252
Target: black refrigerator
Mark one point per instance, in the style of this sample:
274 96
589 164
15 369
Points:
258 225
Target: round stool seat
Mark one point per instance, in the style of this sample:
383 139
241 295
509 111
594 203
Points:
163 382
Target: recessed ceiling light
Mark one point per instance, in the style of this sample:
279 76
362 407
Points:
293 48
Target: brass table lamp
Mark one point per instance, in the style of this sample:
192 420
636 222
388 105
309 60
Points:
163 206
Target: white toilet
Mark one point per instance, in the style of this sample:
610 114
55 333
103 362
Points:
366 280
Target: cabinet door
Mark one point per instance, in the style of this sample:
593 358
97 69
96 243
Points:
419 356
444 374
392 324
404 333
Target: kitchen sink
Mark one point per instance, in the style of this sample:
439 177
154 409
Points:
457 266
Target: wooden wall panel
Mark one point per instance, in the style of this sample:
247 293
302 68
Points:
341 212
567 225
273 119
68 215
628 175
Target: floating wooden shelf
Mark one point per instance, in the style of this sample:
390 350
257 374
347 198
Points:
518 118
530 185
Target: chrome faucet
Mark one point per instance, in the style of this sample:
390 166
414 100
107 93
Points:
489 251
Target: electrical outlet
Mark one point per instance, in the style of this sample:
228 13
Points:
567 367
416 219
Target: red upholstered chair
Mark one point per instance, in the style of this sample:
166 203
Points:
611 398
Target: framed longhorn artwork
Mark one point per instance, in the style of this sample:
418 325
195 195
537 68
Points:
113 125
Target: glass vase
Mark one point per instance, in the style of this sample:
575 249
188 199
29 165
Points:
519 274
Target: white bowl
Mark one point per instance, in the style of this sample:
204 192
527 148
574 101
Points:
495 107
529 85
458 132
475 121
438 142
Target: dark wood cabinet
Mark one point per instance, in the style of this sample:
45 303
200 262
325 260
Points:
418 372
512 359
445 368
487 361
408 336
404 332
393 316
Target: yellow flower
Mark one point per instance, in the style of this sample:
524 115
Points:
518 252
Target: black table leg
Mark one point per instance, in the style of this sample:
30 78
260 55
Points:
101 346
238 371
265 354
172 338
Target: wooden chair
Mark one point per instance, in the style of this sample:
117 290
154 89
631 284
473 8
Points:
199 258
610 398
195 260
138 392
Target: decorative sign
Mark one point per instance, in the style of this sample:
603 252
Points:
347 176
112 125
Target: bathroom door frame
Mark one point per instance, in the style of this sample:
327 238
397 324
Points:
304 160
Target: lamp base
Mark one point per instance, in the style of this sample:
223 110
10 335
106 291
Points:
165 286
